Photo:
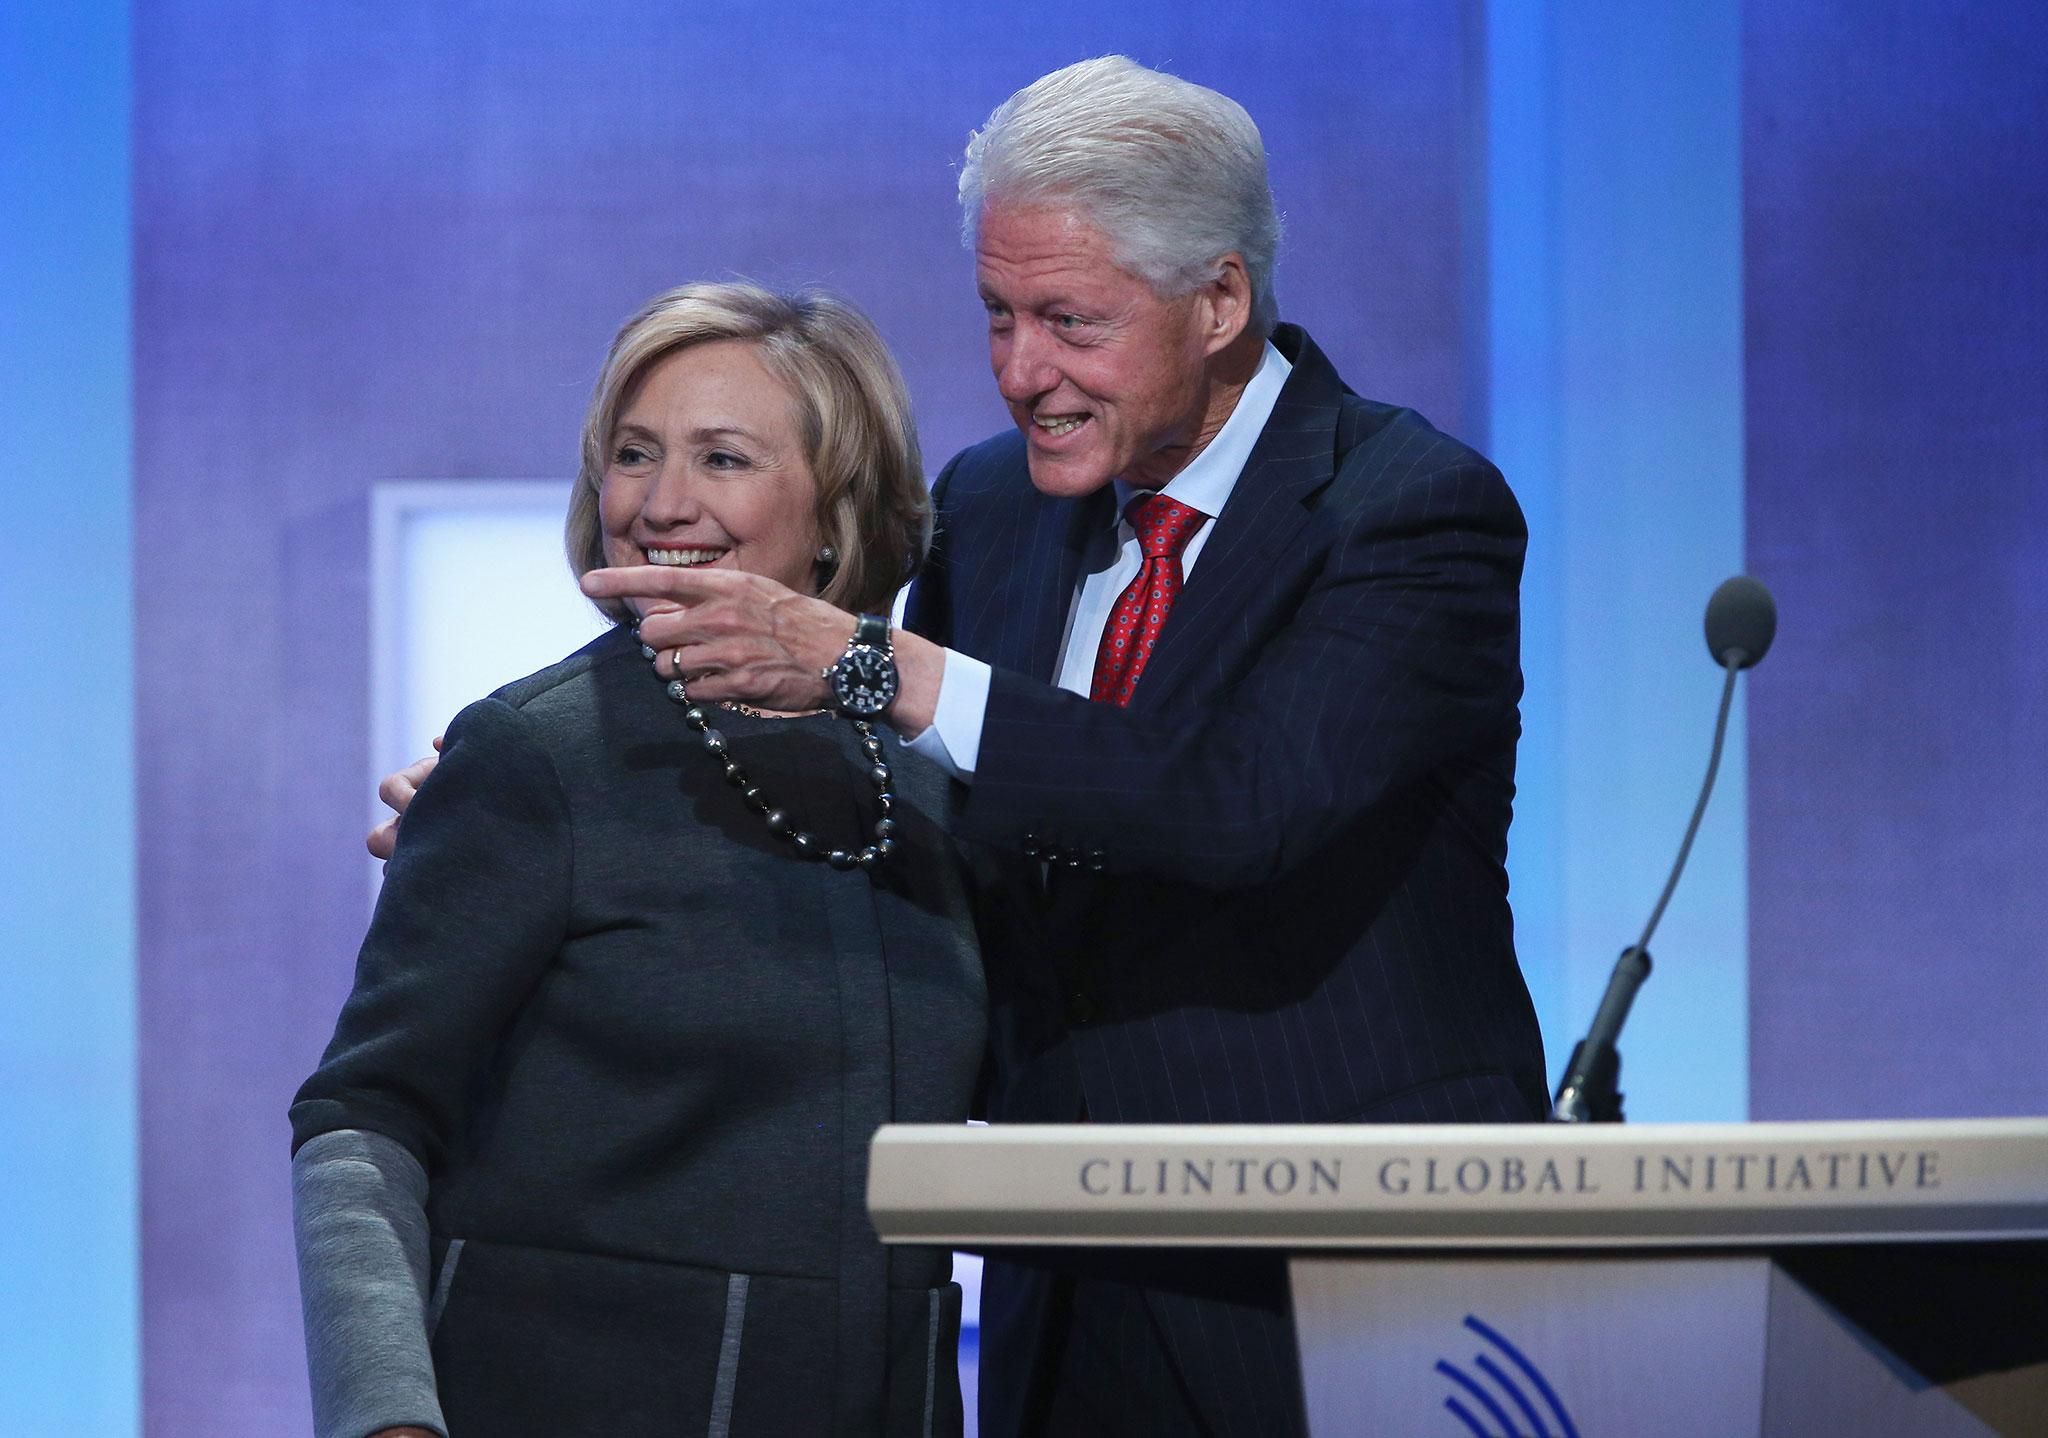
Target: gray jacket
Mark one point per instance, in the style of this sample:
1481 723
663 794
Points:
609 1072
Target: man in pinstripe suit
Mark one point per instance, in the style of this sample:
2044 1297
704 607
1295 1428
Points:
1277 889
1226 660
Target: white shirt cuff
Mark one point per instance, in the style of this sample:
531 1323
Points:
953 739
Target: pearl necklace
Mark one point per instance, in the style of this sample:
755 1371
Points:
778 821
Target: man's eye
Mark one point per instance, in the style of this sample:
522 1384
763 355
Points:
1067 322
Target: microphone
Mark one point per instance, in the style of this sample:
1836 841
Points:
1742 619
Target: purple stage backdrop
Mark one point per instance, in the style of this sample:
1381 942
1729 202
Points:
380 242
1896 216
387 242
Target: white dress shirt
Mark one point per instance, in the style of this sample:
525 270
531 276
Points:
953 740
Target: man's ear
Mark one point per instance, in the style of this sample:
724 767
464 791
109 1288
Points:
1226 304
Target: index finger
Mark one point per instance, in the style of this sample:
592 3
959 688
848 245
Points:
648 581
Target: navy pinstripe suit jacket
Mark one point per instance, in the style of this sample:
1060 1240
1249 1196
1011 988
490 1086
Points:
1277 888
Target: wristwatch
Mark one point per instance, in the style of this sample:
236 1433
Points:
863 679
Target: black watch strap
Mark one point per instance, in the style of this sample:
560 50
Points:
872 629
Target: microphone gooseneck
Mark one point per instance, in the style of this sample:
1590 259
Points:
1692 828
1741 622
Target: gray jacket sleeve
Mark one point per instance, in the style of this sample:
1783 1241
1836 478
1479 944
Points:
475 907
359 1217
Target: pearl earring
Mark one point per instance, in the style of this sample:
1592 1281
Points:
827 554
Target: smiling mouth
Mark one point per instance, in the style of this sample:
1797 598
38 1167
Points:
685 558
1057 425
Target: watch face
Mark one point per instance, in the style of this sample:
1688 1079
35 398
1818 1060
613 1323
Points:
865 680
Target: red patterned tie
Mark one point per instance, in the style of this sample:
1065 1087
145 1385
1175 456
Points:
1164 528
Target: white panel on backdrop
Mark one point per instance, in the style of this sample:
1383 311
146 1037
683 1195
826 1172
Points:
469 590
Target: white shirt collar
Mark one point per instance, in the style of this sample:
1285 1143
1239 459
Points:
1210 476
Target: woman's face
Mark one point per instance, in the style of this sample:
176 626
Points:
705 468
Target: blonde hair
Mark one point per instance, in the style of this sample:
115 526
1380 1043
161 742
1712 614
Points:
853 416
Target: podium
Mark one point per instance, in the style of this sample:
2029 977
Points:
1568 1281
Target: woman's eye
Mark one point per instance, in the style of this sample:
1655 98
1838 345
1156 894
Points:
631 454
723 459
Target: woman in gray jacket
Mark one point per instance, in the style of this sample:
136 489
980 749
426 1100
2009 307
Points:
587 1153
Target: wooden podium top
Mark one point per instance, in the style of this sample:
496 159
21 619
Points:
1462 1186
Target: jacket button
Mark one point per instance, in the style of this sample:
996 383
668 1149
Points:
1080 1008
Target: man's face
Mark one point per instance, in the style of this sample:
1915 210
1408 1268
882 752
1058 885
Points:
1103 376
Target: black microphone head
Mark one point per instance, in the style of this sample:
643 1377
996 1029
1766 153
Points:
1742 619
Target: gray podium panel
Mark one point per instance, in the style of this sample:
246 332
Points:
1528 1345
1725 1345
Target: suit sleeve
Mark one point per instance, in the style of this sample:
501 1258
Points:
929 610
1400 660
474 907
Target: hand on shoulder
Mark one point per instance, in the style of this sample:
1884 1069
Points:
396 791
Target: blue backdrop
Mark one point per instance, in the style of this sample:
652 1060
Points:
1738 281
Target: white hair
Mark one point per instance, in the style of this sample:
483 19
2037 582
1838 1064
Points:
1173 173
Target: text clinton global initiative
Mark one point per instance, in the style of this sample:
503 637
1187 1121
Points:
1508 1174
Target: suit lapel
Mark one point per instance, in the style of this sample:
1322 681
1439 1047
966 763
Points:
1293 459
1034 615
